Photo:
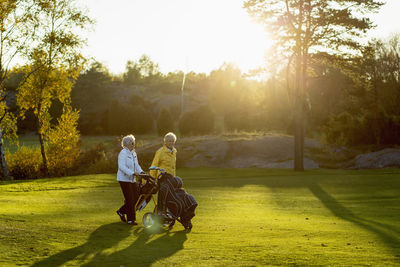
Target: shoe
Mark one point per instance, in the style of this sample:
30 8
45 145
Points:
121 216
132 222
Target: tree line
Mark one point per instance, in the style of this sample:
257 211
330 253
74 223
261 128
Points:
342 101
346 103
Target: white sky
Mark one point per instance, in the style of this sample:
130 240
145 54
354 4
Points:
197 35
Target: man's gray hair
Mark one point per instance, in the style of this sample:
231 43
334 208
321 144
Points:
170 136
127 140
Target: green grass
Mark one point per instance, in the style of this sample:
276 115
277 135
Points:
246 217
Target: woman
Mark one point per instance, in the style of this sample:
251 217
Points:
128 166
165 157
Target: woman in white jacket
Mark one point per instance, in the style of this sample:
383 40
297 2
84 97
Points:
128 166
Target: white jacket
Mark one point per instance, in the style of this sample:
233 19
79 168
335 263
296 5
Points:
127 165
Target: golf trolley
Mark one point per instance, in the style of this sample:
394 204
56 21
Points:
158 218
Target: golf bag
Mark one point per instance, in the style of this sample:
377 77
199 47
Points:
173 197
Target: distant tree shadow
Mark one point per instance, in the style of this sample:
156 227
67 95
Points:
106 236
388 234
139 253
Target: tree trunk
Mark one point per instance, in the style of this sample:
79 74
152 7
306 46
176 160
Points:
375 116
298 100
3 159
45 168
298 136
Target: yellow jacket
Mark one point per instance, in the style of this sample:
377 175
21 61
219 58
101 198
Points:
166 160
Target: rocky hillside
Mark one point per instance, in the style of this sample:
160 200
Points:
266 151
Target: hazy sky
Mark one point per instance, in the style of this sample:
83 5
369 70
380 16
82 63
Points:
187 35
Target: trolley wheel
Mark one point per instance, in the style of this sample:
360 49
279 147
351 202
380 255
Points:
188 226
150 219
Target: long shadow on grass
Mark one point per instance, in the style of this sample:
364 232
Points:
388 234
142 252
106 236
139 253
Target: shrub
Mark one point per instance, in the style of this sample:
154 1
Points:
238 120
197 122
345 129
96 160
62 150
104 165
165 122
63 143
25 163
361 129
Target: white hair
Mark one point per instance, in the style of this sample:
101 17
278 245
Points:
127 140
170 136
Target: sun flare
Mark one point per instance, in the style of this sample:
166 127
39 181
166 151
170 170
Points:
235 39
188 36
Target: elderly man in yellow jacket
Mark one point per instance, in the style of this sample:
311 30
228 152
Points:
165 157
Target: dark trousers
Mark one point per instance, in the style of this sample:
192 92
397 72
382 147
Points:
131 192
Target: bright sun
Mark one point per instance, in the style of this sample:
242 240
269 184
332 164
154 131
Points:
185 35
251 47
208 44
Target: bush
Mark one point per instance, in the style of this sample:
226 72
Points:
238 120
63 143
339 129
103 165
197 122
25 163
62 150
368 128
165 122
96 160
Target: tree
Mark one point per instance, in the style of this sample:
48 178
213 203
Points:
225 86
303 28
132 75
380 70
55 62
165 123
371 105
148 69
127 119
63 140
143 71
91 95
16 30
204 118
